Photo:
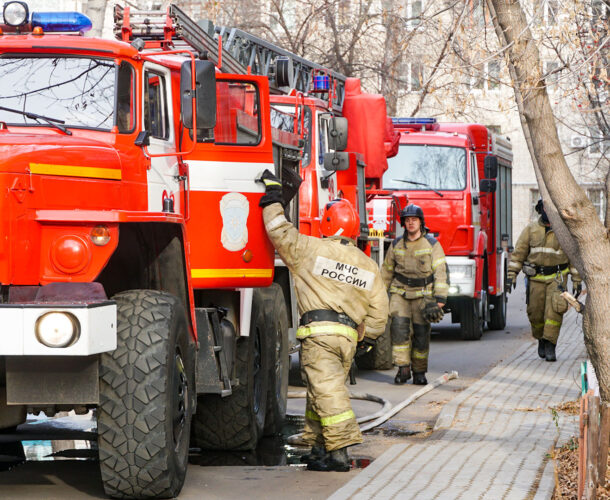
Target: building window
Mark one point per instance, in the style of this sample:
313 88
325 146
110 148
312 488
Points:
477 13
551 12
596 195
486 76
552 73
534 197
599 11
493 75
599 143
415 9
416 76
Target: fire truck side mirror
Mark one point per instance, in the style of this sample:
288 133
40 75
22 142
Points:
487 186
337 133
491 167
336 161
205 81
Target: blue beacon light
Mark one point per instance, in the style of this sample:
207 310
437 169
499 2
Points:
61 22
414 121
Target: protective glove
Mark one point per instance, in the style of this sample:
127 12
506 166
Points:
364 346
576 288
432 313
511 282
273 189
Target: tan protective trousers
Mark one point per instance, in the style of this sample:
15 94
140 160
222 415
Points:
545 309
410 333
329 419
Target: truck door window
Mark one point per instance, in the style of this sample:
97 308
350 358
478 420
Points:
81 91
282 117
237 114
474 175
125 116
322 139
155 106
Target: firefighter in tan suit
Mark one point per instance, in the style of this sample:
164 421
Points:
343 306
415 273
546 266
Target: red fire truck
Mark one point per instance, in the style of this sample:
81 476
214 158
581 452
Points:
460 174
136 275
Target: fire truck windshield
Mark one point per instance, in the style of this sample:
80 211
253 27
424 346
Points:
429 167
75 91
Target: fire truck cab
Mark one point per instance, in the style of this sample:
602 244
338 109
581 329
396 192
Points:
460 175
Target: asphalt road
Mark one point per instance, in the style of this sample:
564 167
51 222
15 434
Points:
274 469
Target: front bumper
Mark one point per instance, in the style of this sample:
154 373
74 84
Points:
97 323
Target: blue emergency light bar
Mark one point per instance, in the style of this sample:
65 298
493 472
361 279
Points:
414 121
61 22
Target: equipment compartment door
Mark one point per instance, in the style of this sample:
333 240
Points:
163 180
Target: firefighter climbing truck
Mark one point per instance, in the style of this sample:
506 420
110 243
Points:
136 276
460 174
346 138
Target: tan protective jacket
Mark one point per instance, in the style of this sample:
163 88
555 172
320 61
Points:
330 273
540 248
416 259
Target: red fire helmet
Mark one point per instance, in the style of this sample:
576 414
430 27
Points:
340 219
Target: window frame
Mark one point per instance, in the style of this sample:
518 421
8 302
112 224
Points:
163 94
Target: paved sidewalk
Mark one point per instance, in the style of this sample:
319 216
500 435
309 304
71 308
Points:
492 440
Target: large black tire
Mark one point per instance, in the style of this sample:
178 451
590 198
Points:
497 316
276 321
236 422
471 319
145 412
380 357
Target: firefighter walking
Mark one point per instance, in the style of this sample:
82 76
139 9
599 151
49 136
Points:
343 306
415 273
546 267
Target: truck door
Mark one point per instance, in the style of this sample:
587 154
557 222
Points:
162 177
327 189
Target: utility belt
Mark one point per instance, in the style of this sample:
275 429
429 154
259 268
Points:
327 315
533 270
415 281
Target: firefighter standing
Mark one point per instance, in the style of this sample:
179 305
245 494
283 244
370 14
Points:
415 271
546 267
343 306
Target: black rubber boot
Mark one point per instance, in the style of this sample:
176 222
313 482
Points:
335 461
403 374
419 378
541 348
549 350
316 453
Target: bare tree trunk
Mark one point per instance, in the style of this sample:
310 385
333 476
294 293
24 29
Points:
585 239
96 11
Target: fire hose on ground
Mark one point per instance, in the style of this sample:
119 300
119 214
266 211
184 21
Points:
385 413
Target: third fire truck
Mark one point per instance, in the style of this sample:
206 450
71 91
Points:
460 174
